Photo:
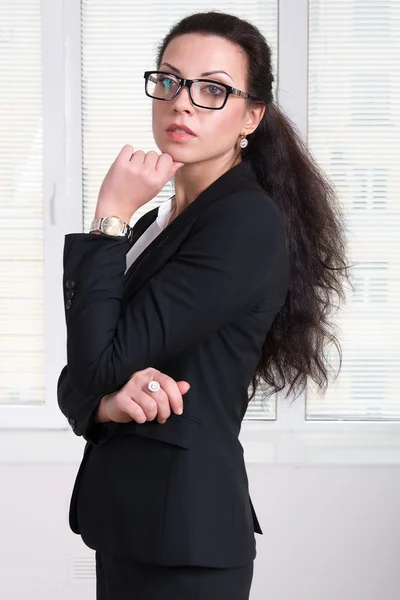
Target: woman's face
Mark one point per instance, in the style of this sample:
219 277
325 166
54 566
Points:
217 132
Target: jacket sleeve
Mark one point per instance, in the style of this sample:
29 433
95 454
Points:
80 410
221 269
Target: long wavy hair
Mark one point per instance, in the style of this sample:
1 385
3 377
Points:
295 346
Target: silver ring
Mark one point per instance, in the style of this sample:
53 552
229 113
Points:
153 386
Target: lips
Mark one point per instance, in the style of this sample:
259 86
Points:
180 128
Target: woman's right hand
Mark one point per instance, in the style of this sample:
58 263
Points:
135 402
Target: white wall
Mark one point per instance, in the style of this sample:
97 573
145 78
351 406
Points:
331 532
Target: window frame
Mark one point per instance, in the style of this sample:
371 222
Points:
61 197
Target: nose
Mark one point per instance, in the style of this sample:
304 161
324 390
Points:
182 102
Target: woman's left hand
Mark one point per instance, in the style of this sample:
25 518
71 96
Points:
133 179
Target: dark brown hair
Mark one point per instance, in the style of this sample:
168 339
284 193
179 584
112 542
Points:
294 348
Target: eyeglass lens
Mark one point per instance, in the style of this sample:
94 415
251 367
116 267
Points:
203 93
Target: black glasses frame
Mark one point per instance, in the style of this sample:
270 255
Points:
189 82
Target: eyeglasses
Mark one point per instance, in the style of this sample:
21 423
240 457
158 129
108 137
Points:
204 93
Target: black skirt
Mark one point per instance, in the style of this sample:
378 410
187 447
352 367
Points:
121 579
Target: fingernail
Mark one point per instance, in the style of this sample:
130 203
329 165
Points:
179 411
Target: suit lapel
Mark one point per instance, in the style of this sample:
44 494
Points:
143 224
167 242
154 257
138 229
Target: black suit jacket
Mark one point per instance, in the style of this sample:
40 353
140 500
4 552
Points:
197 305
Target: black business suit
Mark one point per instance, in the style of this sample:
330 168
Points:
197 305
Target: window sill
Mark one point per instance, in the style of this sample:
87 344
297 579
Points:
261 445
348 446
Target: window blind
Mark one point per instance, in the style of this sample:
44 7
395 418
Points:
21 204
119 40
354 127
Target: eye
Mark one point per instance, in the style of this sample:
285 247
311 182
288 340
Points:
214 90
166 82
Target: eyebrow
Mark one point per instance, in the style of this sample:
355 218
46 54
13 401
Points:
202 75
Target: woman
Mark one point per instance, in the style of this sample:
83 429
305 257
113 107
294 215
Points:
229 283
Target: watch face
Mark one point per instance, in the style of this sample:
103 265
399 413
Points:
112 225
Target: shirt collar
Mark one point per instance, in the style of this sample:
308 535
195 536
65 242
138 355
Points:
164 213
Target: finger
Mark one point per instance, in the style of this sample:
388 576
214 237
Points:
141 379
130 407
126 152
175 167
165 166
138 157
162 400
171 169
183 386
167 163
172 390
151 159
164 163
147 403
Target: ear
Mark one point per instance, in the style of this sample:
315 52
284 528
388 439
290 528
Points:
254 115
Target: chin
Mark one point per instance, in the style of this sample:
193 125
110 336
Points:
178 154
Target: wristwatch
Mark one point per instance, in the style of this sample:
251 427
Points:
113 226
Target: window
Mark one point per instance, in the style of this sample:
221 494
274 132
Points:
22 350
31 192
72 93
354 127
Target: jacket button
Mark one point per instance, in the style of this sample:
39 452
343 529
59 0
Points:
70 284
70 294
68 304
72 423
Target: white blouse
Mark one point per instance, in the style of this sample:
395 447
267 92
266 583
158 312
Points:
163 215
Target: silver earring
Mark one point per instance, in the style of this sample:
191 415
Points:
243 142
